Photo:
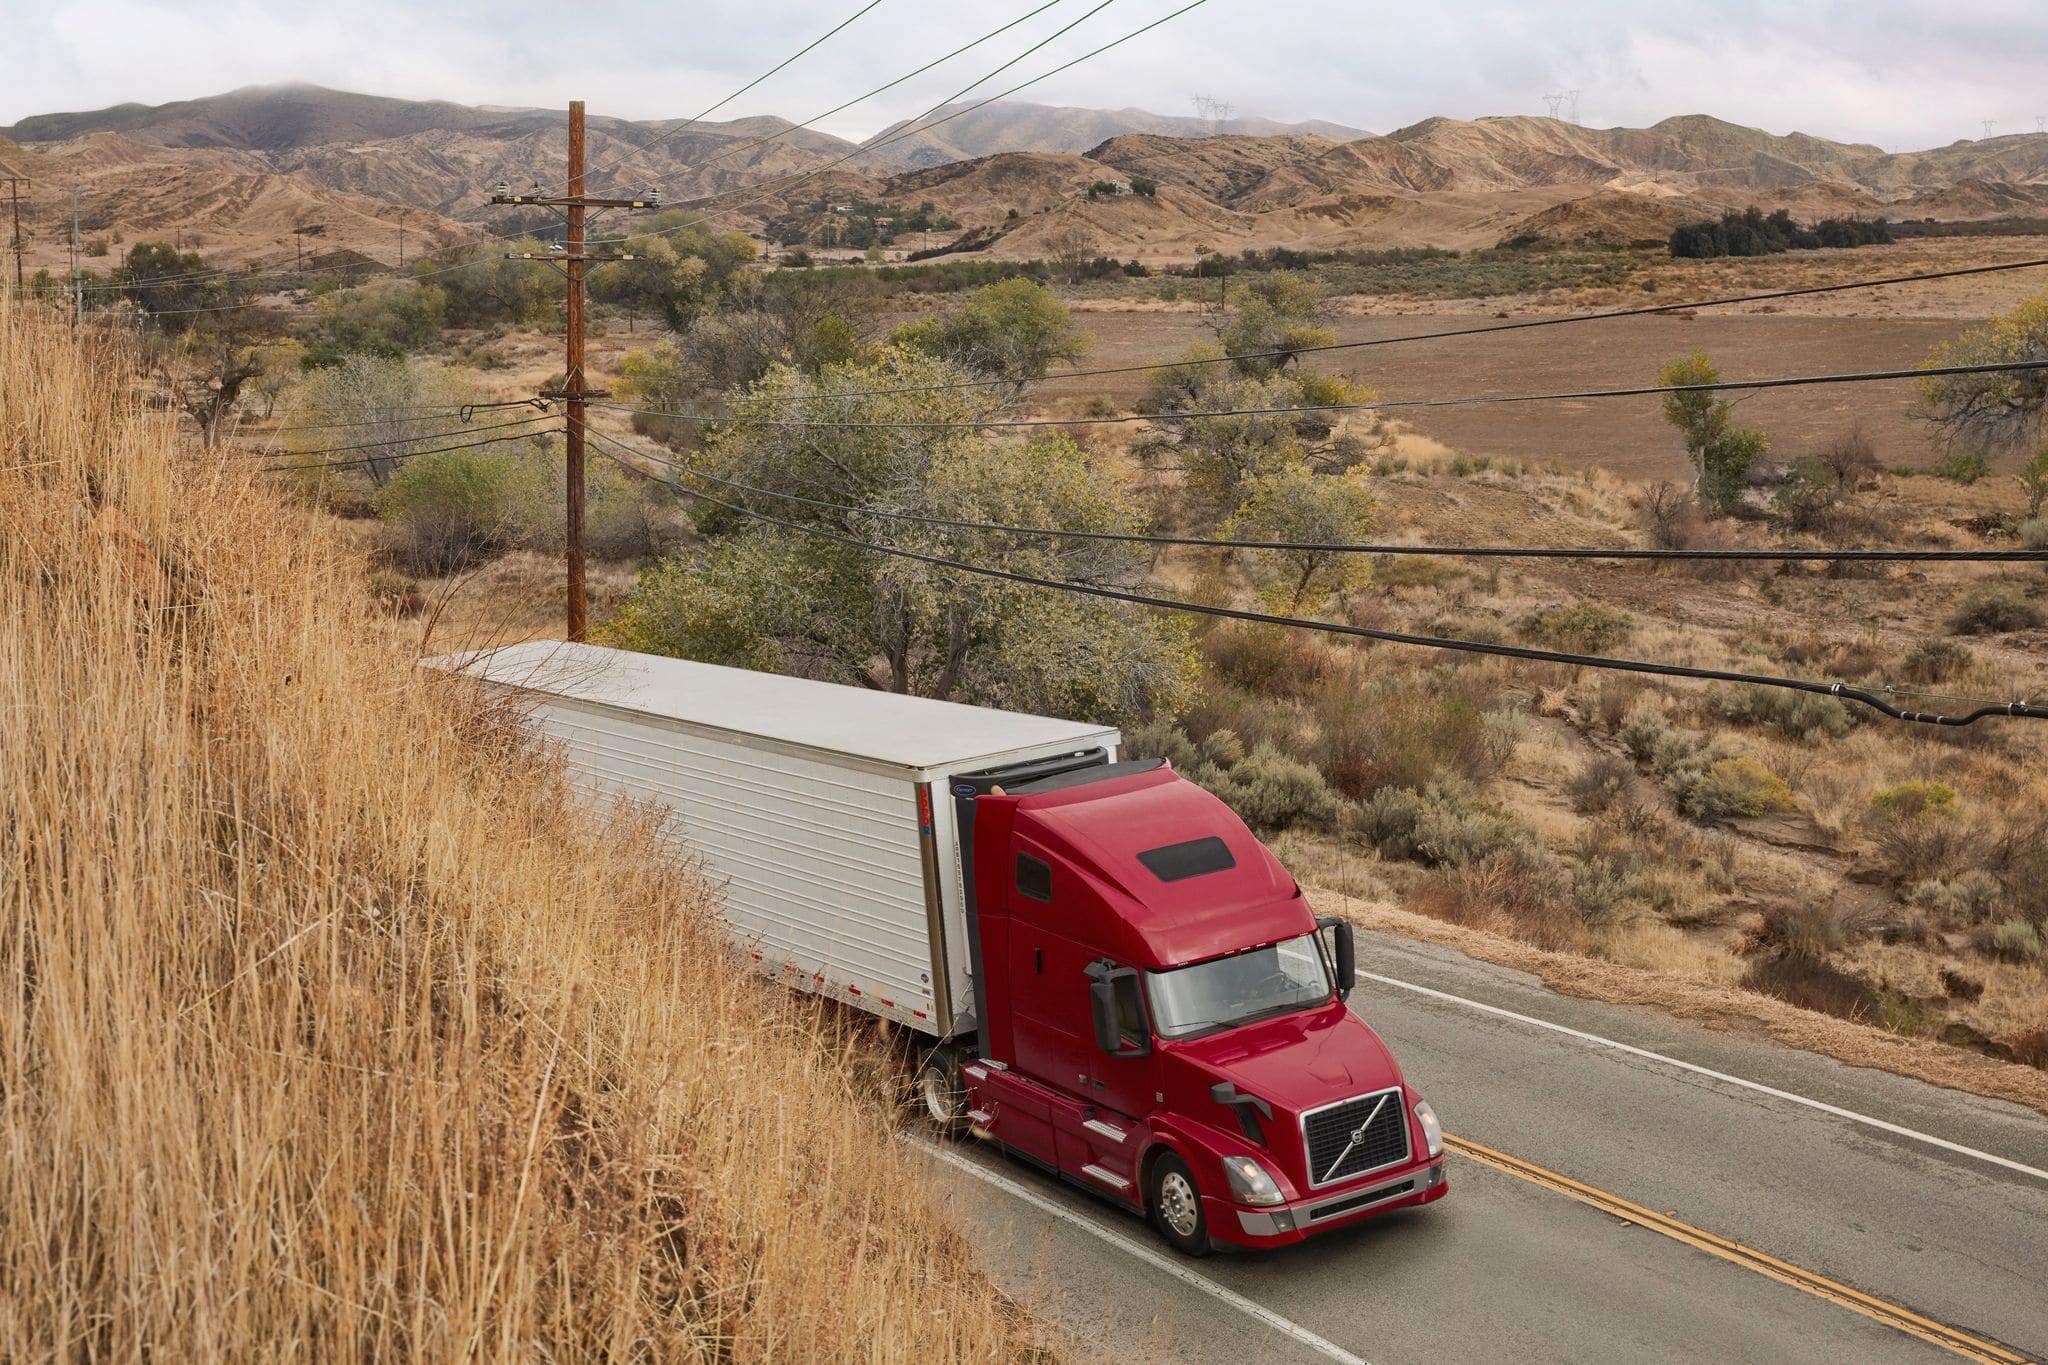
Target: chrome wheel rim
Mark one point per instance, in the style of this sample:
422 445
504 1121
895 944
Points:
1178 1204
938 1098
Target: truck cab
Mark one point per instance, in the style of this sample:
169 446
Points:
1164 1020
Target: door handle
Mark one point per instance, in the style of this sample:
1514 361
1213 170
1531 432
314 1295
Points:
1038 960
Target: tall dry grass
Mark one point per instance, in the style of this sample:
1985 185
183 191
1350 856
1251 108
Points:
332 1029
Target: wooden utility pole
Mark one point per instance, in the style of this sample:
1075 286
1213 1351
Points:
579 618
14 184
571 259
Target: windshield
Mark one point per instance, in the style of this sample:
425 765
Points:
1276 979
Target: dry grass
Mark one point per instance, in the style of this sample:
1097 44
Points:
332 1027
1714 1004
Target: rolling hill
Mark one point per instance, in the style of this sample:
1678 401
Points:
241 169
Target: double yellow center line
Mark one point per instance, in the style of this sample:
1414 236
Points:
1890 1314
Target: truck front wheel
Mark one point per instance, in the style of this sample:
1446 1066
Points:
943 1091
1175 1202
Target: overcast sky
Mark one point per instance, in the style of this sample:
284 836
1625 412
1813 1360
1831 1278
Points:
1898 74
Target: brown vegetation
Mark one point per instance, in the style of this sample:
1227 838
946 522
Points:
332 1025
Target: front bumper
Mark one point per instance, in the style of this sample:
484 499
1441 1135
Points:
1294 1222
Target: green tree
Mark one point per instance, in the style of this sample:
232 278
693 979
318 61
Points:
769 597
2001 410
1297 506
1285 423
171 285
680 270
1722 453
1280 314
1015 330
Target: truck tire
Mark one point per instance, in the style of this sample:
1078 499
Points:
1175 1202
942 1091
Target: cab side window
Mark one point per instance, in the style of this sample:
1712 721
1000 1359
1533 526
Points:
1034 879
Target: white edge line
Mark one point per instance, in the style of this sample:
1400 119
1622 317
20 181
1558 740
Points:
1758 1086
1157 1260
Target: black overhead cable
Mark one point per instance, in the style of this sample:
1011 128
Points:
1456 551
815 119
399 415
785 182
403 439
398 457
1840 691
711 109
1524 325
1384 405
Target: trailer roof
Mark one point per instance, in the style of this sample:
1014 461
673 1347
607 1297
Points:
878 727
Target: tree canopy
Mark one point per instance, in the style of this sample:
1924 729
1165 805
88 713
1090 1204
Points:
1721 452
2001 410
768 597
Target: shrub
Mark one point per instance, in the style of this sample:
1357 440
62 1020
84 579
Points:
1915 801
1809 931
1272 792
1407 730
1601 784
1162 740
1582 627
447 509
1807 717
2016 940
1993 611
1964 466
1971 896
1602 890
2033 533
1444 825
1526 892
1936 661
1917 834
1736 787
1643 729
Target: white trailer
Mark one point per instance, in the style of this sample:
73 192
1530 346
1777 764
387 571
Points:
823 812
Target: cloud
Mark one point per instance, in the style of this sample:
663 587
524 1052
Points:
1882 71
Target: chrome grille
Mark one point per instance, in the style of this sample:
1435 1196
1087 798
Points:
1339 1150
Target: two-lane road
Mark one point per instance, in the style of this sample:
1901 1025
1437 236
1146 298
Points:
1790 1207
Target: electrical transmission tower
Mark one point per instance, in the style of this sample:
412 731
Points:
1216 113
1556 103
2041 123
571 258
14 187
1571 105
1989 124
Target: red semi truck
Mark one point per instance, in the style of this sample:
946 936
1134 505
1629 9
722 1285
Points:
1115 980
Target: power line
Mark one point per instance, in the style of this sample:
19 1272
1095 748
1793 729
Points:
1386 405
1838 690
1449 551
402 440
291 467
1526 324
785 182
709 110
397 415
880 89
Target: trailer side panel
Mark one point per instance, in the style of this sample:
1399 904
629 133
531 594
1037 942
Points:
822 874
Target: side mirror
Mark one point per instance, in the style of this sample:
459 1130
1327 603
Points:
1102 999
1337 941
1118 1011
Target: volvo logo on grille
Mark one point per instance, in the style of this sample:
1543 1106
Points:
1357 1136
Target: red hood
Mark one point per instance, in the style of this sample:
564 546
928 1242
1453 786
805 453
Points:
1297 1061
1294 1063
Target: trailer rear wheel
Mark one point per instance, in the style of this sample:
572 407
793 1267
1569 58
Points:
1175 1202
943 1091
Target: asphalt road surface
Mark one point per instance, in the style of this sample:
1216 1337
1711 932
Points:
1725 1199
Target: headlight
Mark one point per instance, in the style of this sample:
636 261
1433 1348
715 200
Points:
1249 1181
1432 1131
